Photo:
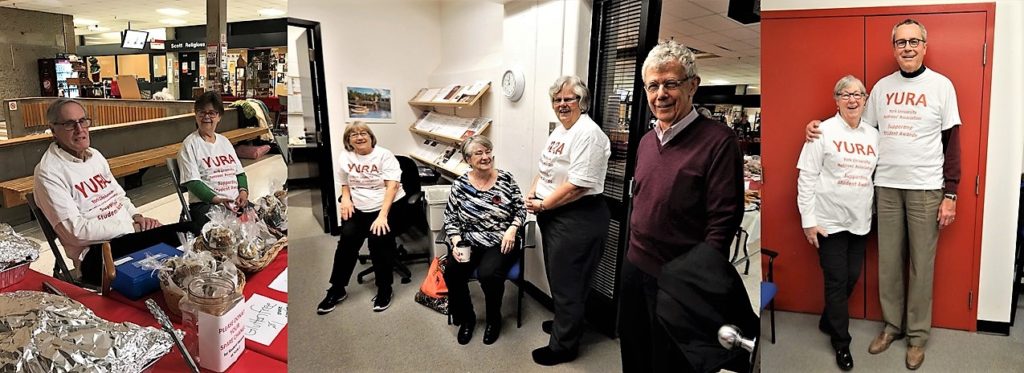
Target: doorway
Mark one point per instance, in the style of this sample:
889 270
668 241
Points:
188 65
314 110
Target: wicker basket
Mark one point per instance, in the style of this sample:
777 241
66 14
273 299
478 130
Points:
255 265
13 275
173 293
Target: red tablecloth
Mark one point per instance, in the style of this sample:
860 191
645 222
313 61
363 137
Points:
257 283
256 358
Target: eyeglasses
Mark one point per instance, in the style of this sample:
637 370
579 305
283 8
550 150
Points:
70 125
852 96
357 134
902 43
208 113
669 85
559 101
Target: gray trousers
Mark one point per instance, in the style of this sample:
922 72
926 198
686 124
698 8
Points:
907 229
573 237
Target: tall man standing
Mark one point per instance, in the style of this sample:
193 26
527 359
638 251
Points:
689 189
918 172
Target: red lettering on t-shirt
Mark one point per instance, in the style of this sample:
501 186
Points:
92 185
906 98
852 148
362 168
556 147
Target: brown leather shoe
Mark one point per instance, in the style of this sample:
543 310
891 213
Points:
915 357
881 343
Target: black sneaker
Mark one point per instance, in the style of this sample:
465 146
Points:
332 299
382 301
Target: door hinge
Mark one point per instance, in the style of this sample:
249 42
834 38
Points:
632 183
970 298
984 54
977 185
312 54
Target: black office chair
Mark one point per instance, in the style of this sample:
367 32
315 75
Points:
516 273
175 171
740 243
417 227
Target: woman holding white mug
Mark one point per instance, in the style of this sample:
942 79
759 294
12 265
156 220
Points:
484 213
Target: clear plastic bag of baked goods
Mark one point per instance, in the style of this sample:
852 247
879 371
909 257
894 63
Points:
273 209
221 235
255 237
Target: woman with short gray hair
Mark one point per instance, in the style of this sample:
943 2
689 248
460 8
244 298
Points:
485 210
834 194
571 214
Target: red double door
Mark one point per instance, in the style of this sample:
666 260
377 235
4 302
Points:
804 54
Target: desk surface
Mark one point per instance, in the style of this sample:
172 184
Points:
256 358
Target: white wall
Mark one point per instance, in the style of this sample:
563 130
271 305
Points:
1006 140
387 44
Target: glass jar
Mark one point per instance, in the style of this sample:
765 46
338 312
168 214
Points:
212 312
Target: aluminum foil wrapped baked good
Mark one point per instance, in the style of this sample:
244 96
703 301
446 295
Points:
15 249
41 332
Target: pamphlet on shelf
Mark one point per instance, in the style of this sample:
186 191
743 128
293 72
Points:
447 93
475 89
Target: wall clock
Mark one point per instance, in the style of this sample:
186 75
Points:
513 83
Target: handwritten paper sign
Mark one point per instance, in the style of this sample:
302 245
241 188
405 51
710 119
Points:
264 319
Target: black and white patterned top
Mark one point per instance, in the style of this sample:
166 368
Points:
481 217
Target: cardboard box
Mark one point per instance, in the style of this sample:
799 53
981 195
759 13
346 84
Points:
134 279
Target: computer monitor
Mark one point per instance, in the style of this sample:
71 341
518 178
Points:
134 39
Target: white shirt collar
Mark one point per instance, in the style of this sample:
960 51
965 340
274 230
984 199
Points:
667 135
68 156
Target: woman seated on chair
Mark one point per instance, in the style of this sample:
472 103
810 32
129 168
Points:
486 210
210 169
373 205
834 193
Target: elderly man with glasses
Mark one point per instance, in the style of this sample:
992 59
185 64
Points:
82 200
688 191
917 116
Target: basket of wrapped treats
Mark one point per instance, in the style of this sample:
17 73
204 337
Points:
272 209
16 253
258 245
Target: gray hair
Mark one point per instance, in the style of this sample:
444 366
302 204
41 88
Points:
666 52
53 112
478 139
578 88
847 81
910 21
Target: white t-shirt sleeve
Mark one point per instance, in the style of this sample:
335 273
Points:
585 160
392 170
810 168
951 112
188 162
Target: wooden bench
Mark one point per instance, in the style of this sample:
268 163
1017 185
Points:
14 191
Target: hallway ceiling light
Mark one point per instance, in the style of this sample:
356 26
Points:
85 22
172 12
718 82
270 12
172 21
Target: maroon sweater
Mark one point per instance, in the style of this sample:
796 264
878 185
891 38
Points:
687 192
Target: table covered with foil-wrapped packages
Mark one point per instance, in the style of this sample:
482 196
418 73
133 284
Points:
42 332
117 312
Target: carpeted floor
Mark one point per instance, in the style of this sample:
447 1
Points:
407 337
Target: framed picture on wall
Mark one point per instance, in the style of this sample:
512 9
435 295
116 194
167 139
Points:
371 105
